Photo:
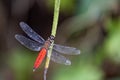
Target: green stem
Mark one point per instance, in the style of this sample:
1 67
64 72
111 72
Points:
55 17
53 32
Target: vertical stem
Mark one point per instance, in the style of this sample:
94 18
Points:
55 17
53 32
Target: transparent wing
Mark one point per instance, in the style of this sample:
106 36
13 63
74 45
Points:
66 49
34 46
31 33
56 57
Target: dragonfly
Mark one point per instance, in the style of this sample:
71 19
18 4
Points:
36 43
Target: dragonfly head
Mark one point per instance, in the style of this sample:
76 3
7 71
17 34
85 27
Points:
51 38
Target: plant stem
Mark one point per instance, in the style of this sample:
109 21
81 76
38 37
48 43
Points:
53 33
55 17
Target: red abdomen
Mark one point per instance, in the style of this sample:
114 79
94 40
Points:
40 58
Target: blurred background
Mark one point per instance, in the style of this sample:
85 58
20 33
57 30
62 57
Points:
93 26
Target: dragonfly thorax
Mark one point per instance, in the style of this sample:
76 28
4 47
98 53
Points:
48 42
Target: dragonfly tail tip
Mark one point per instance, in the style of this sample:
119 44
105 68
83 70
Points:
34 69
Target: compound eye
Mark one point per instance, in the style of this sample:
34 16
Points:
52 37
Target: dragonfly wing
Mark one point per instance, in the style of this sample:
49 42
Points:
56 57
34 46
66 49
31 33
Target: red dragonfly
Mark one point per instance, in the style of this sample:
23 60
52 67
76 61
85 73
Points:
37 43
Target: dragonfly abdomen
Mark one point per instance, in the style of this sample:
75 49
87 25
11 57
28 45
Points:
40 58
